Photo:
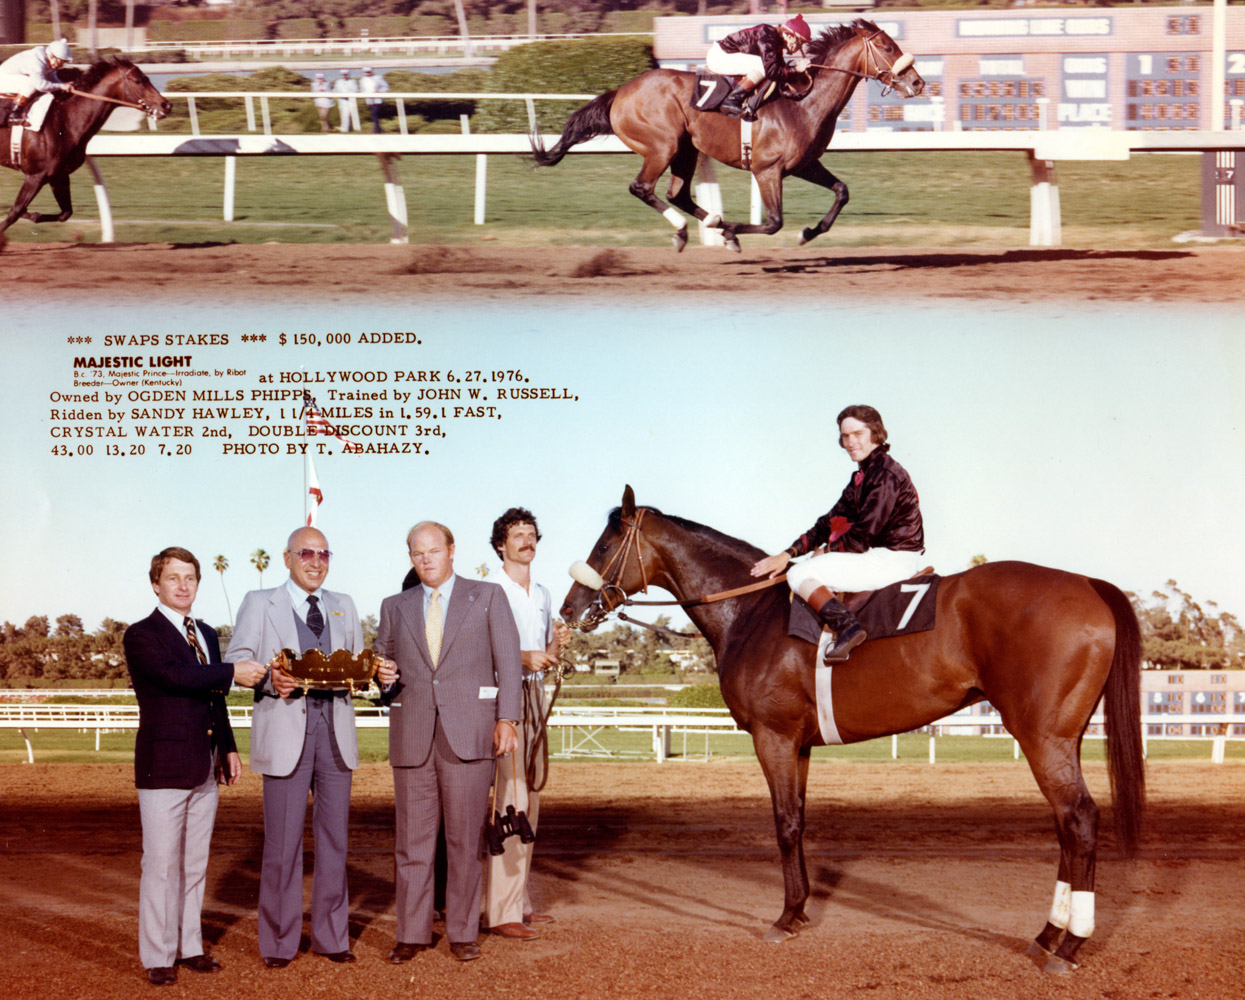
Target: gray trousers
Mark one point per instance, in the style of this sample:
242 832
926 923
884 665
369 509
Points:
442 786
322 772
177 832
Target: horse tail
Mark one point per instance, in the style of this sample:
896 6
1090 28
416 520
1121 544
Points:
591 120
1122 708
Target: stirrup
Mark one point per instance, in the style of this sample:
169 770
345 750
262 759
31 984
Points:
845 642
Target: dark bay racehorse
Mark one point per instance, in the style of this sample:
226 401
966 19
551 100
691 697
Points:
653 115
1040 644
50 155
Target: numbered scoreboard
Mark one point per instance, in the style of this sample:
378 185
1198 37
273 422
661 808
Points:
1026 69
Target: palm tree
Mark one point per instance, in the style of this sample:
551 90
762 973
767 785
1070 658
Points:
221 564
260 560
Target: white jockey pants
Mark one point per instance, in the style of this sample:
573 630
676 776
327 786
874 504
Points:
735 63
851 572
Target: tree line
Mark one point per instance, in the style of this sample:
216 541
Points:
1178 633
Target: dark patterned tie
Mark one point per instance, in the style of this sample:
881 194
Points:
315 620
192 634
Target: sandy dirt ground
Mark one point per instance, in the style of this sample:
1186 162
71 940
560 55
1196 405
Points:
1209 274
928 881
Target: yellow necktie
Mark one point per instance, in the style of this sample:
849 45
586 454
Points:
432 627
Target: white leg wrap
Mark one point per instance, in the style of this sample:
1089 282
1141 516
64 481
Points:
1081 922
1061 908
674 218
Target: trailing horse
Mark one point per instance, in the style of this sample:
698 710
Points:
1041 645
654 115
51 154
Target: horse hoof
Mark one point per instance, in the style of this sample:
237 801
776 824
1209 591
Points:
776 935
806 236
732 244
680 240
1056 966
802 919
714 221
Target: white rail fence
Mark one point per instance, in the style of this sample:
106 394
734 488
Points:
580 728
367 45
1043 149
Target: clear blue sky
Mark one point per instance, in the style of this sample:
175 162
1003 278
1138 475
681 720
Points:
1104 440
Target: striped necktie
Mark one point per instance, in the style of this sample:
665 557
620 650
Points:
315 620
192 634
433 626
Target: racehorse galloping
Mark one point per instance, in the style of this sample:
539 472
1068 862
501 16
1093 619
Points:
653 115
50 155
1041 645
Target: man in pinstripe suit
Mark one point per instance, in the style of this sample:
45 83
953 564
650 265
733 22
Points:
453 679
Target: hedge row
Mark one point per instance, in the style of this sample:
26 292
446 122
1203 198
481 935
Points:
585 66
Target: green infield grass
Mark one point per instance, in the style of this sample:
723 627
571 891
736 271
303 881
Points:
962 200
67 746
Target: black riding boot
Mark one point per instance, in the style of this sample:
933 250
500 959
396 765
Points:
848 632
754 102
733 103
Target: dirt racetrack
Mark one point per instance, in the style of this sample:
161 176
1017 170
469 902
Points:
237 272
928 882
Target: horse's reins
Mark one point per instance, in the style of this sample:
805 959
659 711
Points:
109 100
112 100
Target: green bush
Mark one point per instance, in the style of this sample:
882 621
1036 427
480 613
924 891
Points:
228 114
589 66
472 80
297 27
207 31
697 696
377 27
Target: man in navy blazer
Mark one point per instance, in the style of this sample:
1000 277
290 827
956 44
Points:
453 680
184 747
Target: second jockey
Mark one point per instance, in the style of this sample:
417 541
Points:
31 73
874 532
756 55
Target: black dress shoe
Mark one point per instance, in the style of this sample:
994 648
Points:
200 963
165 976
277 963
403 952
339 956
464 951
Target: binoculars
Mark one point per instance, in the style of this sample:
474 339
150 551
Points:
507 826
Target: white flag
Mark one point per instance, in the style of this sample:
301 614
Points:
313 488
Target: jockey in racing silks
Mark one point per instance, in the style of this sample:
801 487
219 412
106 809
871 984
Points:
874 532
31 73
754 55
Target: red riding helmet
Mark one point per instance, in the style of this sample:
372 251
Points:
798 26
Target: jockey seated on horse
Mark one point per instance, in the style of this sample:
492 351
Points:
874 533
31 73
756 55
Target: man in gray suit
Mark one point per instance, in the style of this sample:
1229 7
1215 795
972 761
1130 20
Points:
452 658
301 743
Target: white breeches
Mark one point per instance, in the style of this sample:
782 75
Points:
22 86
735 63
852 571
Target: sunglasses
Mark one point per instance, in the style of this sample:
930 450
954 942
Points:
306 555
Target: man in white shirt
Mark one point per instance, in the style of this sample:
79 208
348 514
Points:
347 107
508 908
371 84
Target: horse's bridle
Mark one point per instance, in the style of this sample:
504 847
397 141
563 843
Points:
606 603
873 58
125 79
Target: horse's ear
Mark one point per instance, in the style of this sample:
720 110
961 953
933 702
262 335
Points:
628 502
